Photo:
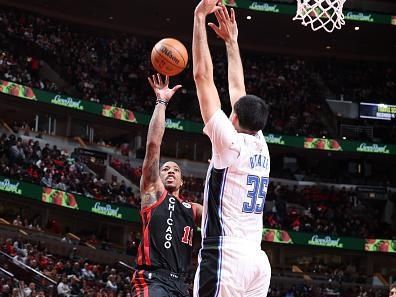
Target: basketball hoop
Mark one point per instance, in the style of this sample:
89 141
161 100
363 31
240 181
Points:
326 14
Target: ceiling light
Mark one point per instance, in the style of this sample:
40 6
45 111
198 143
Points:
111 18
248 17
328 47
357 28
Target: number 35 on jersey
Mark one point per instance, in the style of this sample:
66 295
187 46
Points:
255 200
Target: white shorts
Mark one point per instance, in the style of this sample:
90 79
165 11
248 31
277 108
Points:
231 268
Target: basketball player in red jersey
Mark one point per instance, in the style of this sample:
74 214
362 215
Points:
165 251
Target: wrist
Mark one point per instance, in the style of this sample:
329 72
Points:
160 101
232 43
199 15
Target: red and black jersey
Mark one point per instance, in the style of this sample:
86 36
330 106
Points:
168 227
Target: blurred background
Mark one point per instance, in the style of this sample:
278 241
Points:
74 110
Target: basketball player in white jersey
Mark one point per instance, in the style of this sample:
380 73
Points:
231 262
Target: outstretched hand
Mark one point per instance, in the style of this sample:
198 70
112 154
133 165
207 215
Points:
161 88
206 7
227 28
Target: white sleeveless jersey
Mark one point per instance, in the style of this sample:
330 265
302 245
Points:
236 183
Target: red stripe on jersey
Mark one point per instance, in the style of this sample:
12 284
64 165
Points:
136 284
146 239
140 249
144 248
144 285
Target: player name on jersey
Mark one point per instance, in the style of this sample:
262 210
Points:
259 160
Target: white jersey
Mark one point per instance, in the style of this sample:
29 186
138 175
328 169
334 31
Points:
236 182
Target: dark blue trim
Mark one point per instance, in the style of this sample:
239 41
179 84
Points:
215 186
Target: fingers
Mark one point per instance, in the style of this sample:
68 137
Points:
223 16
232 15
225 12
151 82
159 81
215 28
175 88
156 81
218 17
216 8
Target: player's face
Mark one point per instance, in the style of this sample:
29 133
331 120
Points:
170 175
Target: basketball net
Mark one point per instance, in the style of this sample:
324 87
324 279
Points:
326 14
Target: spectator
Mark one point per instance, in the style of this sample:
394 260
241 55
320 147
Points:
63 287
111 284
30 289
17 221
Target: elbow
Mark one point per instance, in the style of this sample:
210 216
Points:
202 76
202 73
153 145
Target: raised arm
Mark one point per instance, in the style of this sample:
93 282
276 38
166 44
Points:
151 186
209 101
227 30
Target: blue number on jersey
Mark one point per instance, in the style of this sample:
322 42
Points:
257 194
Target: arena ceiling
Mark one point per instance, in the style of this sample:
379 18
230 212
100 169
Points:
265 31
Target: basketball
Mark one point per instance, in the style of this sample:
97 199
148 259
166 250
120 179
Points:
169 56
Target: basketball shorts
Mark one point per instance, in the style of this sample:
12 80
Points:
231 268
158 283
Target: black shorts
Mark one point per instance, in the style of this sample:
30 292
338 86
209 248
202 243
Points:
158 283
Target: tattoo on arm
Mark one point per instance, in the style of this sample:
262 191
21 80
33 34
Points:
148 199
150 168
150 183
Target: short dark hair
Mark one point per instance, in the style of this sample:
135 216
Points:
252 112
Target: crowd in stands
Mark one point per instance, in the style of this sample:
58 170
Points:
353 170
74 276
23 70
56 168
309 290
33 224
336 272
366 82
324 210
113 70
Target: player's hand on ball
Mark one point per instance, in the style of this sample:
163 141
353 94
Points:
206 7
227 28
161 88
